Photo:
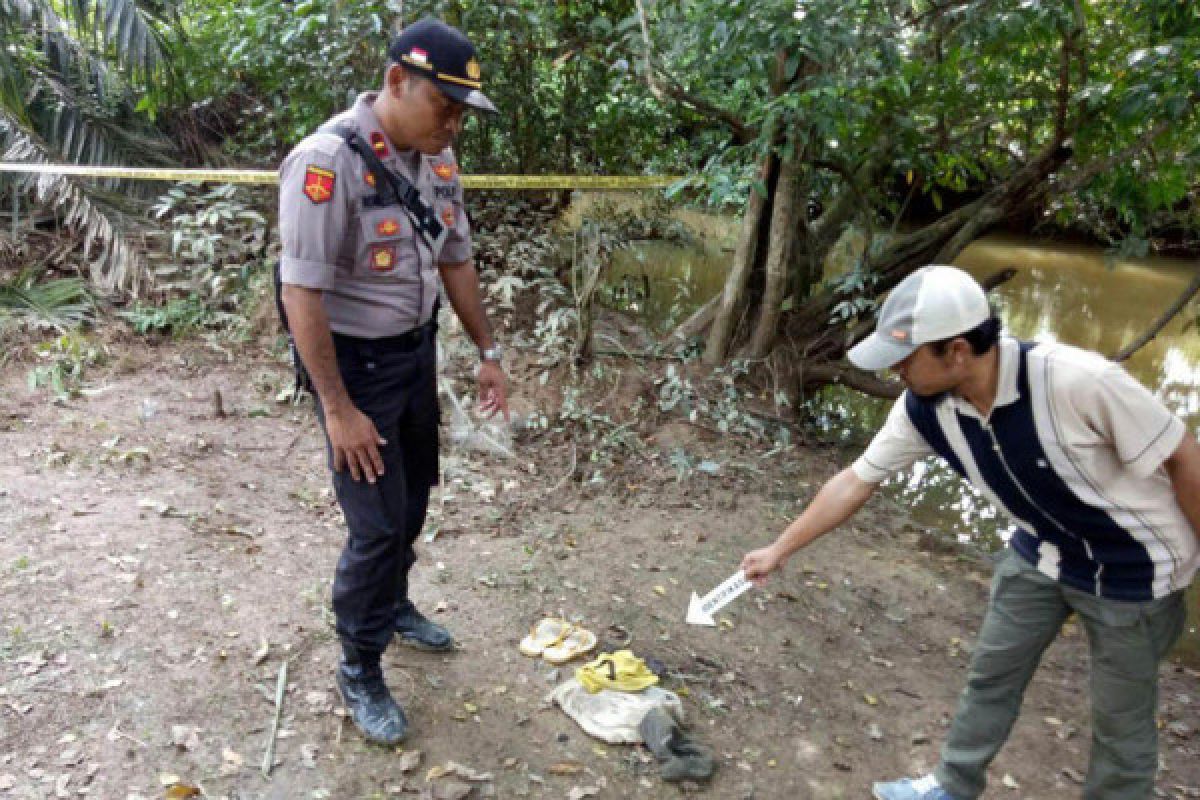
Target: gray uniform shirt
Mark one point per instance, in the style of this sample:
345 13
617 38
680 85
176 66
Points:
376 271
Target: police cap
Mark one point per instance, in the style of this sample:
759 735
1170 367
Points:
444 55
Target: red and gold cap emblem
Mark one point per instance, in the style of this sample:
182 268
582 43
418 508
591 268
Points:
383 257
445 171
379 144
387 227
318 184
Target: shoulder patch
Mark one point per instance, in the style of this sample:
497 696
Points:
445 170
318 184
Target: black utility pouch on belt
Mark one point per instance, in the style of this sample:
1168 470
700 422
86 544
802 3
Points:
391 189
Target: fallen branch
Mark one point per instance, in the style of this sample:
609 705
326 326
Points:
280 687
1184 298
570 471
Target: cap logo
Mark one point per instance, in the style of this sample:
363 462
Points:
473 71
418 55
900 335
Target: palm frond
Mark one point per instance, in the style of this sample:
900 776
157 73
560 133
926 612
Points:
59 304
113 262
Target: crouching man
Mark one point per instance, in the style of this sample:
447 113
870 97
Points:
1103 483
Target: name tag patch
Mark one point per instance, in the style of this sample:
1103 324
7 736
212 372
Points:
318 184
383 257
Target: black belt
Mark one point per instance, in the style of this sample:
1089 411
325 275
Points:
400 343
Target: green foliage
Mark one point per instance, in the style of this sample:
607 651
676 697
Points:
957 96
217 241
217 265
61 304
65 359
567 103
285 67
179 316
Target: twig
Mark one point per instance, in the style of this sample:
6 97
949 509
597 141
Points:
570 471
643 356
280 686
117 733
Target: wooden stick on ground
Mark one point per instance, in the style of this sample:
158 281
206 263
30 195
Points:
280 686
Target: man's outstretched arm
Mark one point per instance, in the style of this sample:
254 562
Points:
841 496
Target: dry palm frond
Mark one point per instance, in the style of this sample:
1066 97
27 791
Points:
75 101
113 263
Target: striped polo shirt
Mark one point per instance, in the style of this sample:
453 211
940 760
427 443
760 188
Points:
1073 453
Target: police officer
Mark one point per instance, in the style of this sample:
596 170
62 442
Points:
360 283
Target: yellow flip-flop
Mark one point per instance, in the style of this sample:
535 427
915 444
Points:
578 642
548 632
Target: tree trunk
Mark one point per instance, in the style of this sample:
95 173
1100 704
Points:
744 258
782 243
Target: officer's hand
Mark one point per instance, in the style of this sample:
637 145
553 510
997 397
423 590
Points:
758 564
355 444
493 396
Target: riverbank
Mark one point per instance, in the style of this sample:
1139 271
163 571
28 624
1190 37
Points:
169 553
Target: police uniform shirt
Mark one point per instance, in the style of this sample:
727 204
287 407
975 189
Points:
375 269
1072 451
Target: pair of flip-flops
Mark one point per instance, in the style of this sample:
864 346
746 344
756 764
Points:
557 640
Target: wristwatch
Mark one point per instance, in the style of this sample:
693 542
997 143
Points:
493 353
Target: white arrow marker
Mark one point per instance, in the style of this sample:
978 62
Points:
701 609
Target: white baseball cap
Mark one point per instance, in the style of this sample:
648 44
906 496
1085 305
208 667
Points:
933 303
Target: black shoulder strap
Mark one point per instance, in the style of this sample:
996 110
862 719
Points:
392 188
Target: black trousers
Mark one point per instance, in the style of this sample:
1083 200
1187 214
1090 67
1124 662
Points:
397 388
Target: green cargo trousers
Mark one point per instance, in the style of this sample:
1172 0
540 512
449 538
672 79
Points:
1127 641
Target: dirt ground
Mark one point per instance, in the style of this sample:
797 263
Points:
163 558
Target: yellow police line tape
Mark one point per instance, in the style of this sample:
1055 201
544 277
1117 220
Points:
262 176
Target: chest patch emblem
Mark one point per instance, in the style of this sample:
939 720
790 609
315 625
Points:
449 217
370 179
383 257
318 184
445 171
378 144
387 227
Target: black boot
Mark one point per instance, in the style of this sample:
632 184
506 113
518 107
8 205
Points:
375 713
414 629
